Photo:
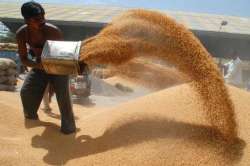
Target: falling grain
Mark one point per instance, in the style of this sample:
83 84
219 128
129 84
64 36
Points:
139 33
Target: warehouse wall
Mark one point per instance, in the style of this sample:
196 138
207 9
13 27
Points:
219 44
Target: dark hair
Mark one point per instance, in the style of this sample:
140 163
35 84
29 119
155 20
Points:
31 9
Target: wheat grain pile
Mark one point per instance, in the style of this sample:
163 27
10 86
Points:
165 128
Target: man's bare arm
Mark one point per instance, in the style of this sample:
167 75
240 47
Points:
56 34
22 51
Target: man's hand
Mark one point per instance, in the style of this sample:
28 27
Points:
39 66
82 67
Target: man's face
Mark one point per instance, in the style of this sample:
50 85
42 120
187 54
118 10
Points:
36 22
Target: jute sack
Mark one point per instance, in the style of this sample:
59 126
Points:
4 87
6 63
11 71
3 79
11 80
2 72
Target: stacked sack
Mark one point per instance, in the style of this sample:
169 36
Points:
8 46
8 74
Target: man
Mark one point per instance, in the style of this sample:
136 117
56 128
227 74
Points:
31 38
234 71
48 93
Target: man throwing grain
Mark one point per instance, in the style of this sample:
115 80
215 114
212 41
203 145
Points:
31 38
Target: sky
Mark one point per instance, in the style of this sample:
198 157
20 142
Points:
225 7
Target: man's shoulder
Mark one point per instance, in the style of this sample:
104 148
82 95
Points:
21 30
51 27
53 32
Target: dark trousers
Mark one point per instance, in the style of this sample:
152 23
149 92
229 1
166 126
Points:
32 93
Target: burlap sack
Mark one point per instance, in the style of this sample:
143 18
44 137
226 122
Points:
8 46
2 72
11 80
11 71
7 63
4 87
3 79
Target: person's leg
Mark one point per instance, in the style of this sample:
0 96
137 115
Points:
32 92
46 99
61 87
